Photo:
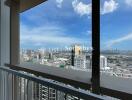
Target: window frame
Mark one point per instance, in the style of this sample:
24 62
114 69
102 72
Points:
95 80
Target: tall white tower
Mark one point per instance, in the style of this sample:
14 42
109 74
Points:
103 62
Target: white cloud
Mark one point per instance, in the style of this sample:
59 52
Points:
128 2
109 6
119 40
59 3
81 8
87 33
47 35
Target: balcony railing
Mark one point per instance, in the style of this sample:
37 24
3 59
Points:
31 87
49 77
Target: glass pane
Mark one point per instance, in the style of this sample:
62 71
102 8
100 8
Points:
57 33
56 36
116 49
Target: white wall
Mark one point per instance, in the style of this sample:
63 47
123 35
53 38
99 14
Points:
5 89
4 33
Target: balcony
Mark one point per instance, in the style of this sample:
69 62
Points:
32 82
31 87
36 82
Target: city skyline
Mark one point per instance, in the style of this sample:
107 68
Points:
41 27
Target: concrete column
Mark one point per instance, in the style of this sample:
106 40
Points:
14 34
14 44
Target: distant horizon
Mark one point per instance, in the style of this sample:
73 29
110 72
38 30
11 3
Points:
65 49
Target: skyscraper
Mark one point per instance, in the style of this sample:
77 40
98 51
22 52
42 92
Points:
77 50
80 62
103 62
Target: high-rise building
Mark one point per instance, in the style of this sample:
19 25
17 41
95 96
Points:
77 50
80 62
103 62
89 62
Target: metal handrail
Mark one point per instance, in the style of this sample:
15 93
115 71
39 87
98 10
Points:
103 90
69 90
75 83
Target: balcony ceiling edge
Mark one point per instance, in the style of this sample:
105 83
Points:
26 4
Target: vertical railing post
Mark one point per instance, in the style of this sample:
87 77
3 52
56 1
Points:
96 46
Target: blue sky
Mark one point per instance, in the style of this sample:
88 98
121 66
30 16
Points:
59 23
